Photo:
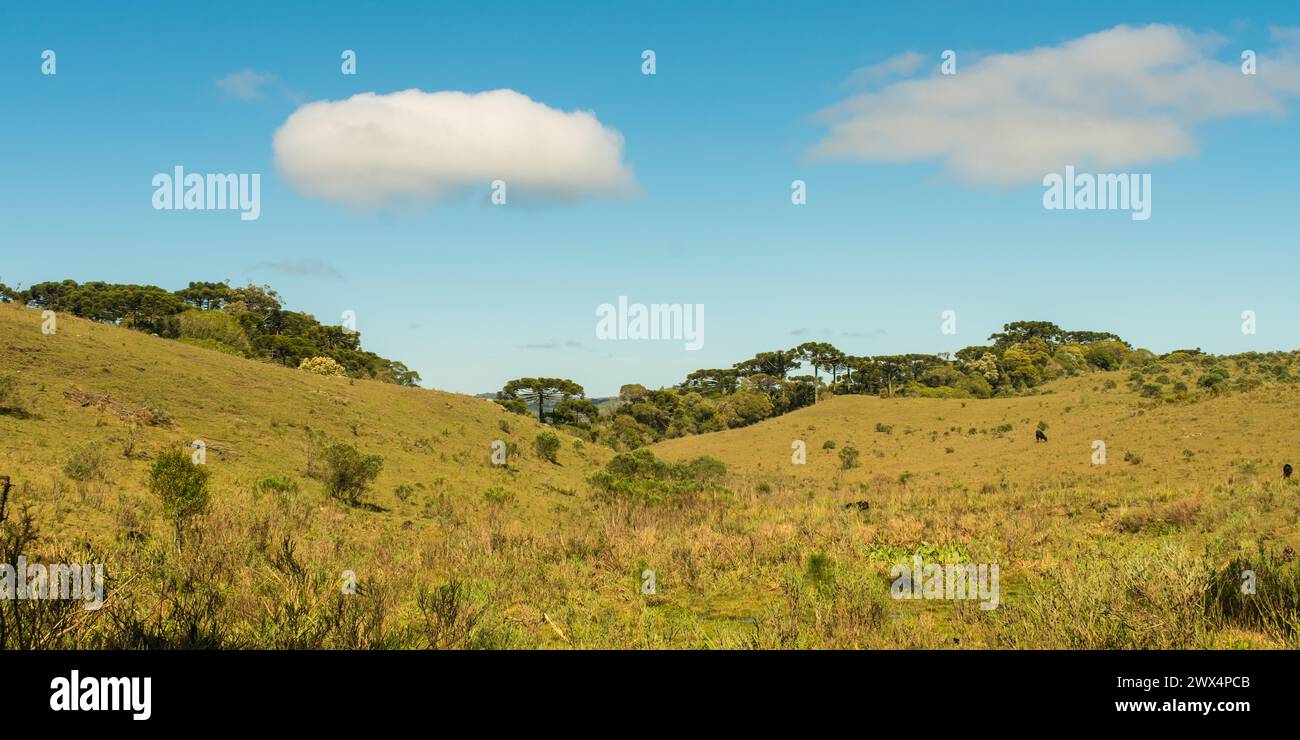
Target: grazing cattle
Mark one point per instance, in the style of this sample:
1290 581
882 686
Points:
1286 470
861 505
1039 436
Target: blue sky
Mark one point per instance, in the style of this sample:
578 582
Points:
471 295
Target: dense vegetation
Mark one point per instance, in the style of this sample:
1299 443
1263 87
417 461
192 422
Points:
249 322
1017 360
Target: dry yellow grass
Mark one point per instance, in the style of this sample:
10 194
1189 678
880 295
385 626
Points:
1120 555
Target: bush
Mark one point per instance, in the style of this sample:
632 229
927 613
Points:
641 477
181 485
323 366
9 394
849 457
547 445
404 491
1106 355
213 329
85 463
277 484
498 496
347 473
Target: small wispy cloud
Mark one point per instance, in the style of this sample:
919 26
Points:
803 332
300 266
246 84
895 66
556 345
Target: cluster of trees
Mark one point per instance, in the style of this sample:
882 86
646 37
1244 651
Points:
1023 355
249 321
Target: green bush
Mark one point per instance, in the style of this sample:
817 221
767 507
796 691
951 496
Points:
498 496
849 457
9 394
85 463
547 445
641 477
181 486
347 473
277 484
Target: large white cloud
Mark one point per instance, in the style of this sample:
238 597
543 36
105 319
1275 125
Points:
1107 100
375 149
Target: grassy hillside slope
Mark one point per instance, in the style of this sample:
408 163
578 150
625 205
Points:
952 440
253 418
1146 551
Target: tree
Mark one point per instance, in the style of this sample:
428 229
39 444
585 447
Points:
816 355
1105 355
713 382
1020 368
1088 337
576 411
776 363
322 366
540 391
744 407
402 375
1021 331
206 296
631 392
182 487
835 361
347 472
985 366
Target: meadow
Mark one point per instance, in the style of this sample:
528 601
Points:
448 550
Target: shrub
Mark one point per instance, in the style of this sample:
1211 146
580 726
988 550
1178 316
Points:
347 473
884 428
276 484
547 445
213 329
404 491
1106 355
641 477
85 463
498 496
323 366
9 394
848 457
828 444
181 486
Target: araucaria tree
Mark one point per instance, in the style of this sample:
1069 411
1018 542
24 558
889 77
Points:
519 394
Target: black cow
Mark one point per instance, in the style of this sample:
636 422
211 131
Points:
1039 436
1286 471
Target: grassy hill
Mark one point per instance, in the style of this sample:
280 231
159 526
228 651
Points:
1130 553
253 417
1147 550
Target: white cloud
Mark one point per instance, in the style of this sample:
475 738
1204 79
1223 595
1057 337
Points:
895 66
1107 100
374 149
245 84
